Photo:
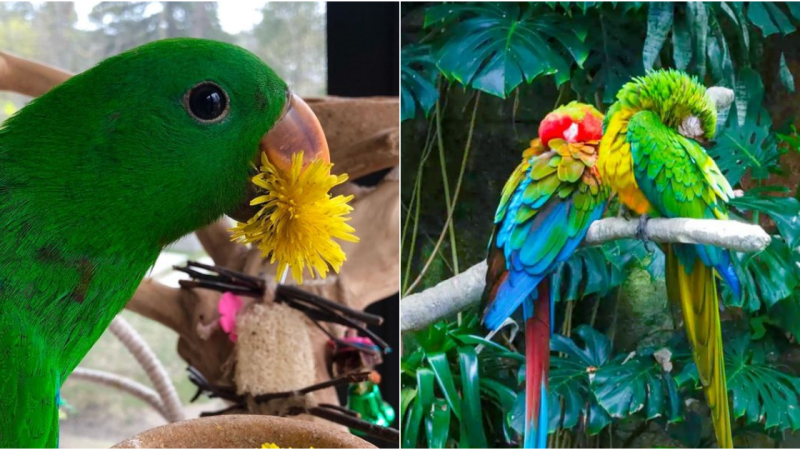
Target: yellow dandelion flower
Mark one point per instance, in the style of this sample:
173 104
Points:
299 219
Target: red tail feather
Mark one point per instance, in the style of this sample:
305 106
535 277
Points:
537 360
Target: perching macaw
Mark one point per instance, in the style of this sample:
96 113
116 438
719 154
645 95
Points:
545 210
651 157
102 172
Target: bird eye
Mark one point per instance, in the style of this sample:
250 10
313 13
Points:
207 102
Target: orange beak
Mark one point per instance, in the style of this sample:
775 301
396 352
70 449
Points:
297 130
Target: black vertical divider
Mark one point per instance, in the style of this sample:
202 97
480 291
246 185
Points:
364 60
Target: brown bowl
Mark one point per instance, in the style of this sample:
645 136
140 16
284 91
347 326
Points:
244 431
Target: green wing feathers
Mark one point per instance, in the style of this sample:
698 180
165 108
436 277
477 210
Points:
675 173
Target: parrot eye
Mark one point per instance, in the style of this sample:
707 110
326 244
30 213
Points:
207 102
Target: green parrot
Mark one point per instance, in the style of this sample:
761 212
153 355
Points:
651 156
102 172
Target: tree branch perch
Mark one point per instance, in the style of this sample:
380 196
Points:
464 290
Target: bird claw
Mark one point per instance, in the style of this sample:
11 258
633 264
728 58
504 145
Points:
641 228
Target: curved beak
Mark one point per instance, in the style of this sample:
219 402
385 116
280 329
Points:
297 130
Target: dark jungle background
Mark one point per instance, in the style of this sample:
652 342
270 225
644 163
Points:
621 373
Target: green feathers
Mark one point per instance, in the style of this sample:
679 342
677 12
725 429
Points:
563 173
675 173
672 95
98 175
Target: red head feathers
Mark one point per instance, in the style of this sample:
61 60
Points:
575 122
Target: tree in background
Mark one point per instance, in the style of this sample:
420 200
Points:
124 25
297 34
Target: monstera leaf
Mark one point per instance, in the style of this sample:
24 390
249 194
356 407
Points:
767 277
638 382
570 398
772 275
762 393
597 270
584 273
417 80
494 47
784 211
745 142
627 253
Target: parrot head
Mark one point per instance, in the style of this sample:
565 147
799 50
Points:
679 99
574 122
159 140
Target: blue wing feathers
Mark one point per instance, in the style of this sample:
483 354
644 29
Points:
512 292
541 252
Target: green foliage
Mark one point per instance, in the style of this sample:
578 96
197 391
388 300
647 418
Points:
598 270
571 373
584 273
784 211
417 80
771 276
589 385
771 17
746 142
645 383
767 277
762 392
493 47
463 384
614 58
631 384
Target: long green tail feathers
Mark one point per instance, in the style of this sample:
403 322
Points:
696 293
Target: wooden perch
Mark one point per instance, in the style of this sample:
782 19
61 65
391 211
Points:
456 294
28 77
733 235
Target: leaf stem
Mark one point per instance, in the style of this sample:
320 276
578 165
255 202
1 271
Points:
613 329
446 185
448 222
416 196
